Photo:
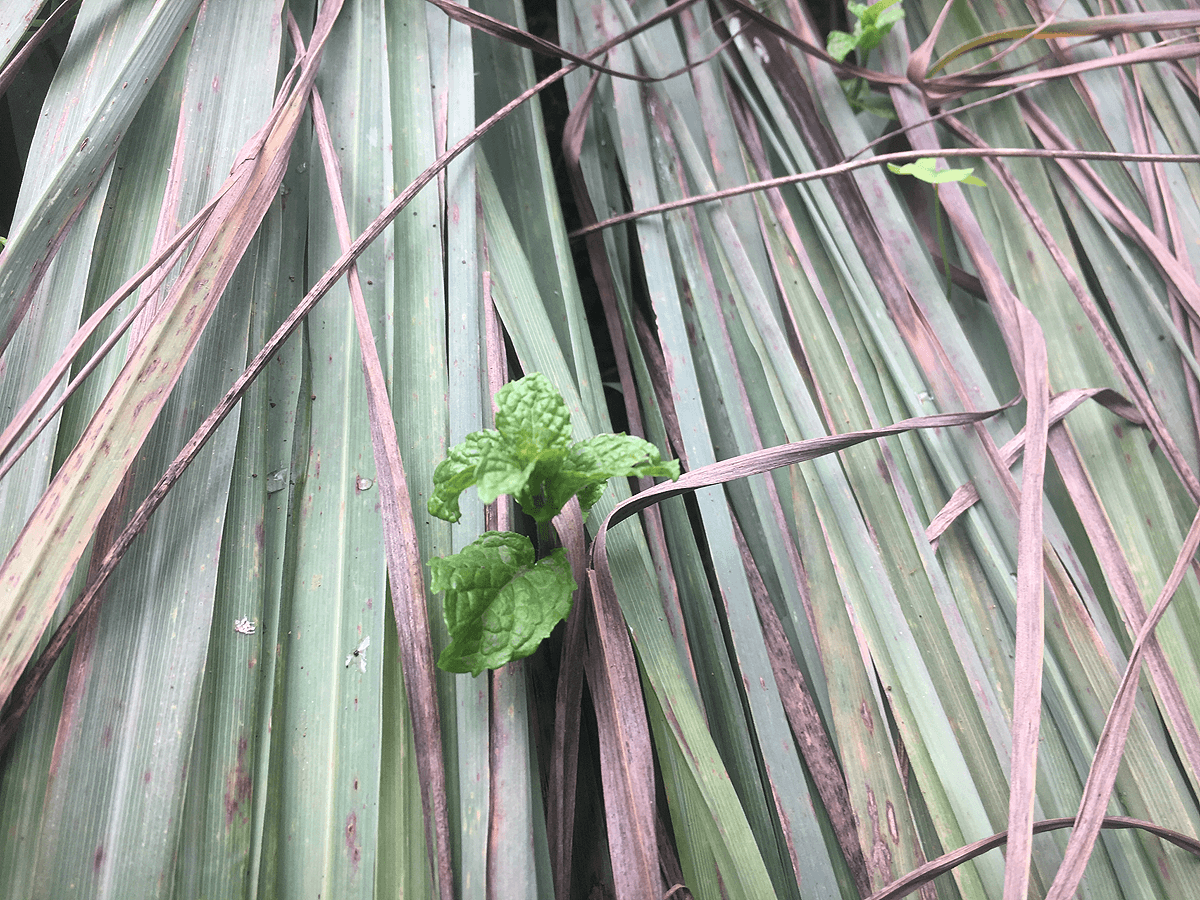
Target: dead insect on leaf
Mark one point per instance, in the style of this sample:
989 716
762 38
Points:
359 653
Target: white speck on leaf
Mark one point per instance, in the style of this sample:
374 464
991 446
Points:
359 653
243 626
277 480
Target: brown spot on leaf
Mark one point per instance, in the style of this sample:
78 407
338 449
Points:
882 469
237 785
869 720
352 849
879 856
98 858
146 776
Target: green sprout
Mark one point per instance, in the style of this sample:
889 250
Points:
926 170
501 601
871 26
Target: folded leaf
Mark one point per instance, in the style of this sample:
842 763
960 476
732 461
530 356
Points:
457 472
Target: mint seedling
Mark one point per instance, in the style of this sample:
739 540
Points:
529 456
871 26
500 601
926 170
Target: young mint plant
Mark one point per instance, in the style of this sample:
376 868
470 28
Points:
871 26
500 601
926 170
529 455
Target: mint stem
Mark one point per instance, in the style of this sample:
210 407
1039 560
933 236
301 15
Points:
545 539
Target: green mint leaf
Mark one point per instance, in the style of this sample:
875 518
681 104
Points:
529 456
533 415
877 12
888 18
534 421
925 169
502 471
457 472
591 463
499 604
477 571
839 45
871 26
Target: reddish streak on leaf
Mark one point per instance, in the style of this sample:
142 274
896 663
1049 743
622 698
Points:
98 858
352 848
237 785
881 854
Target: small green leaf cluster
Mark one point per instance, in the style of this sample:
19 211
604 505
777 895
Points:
501 602
530 457
926 170
870 28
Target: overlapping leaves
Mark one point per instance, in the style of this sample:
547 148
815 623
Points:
529 455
